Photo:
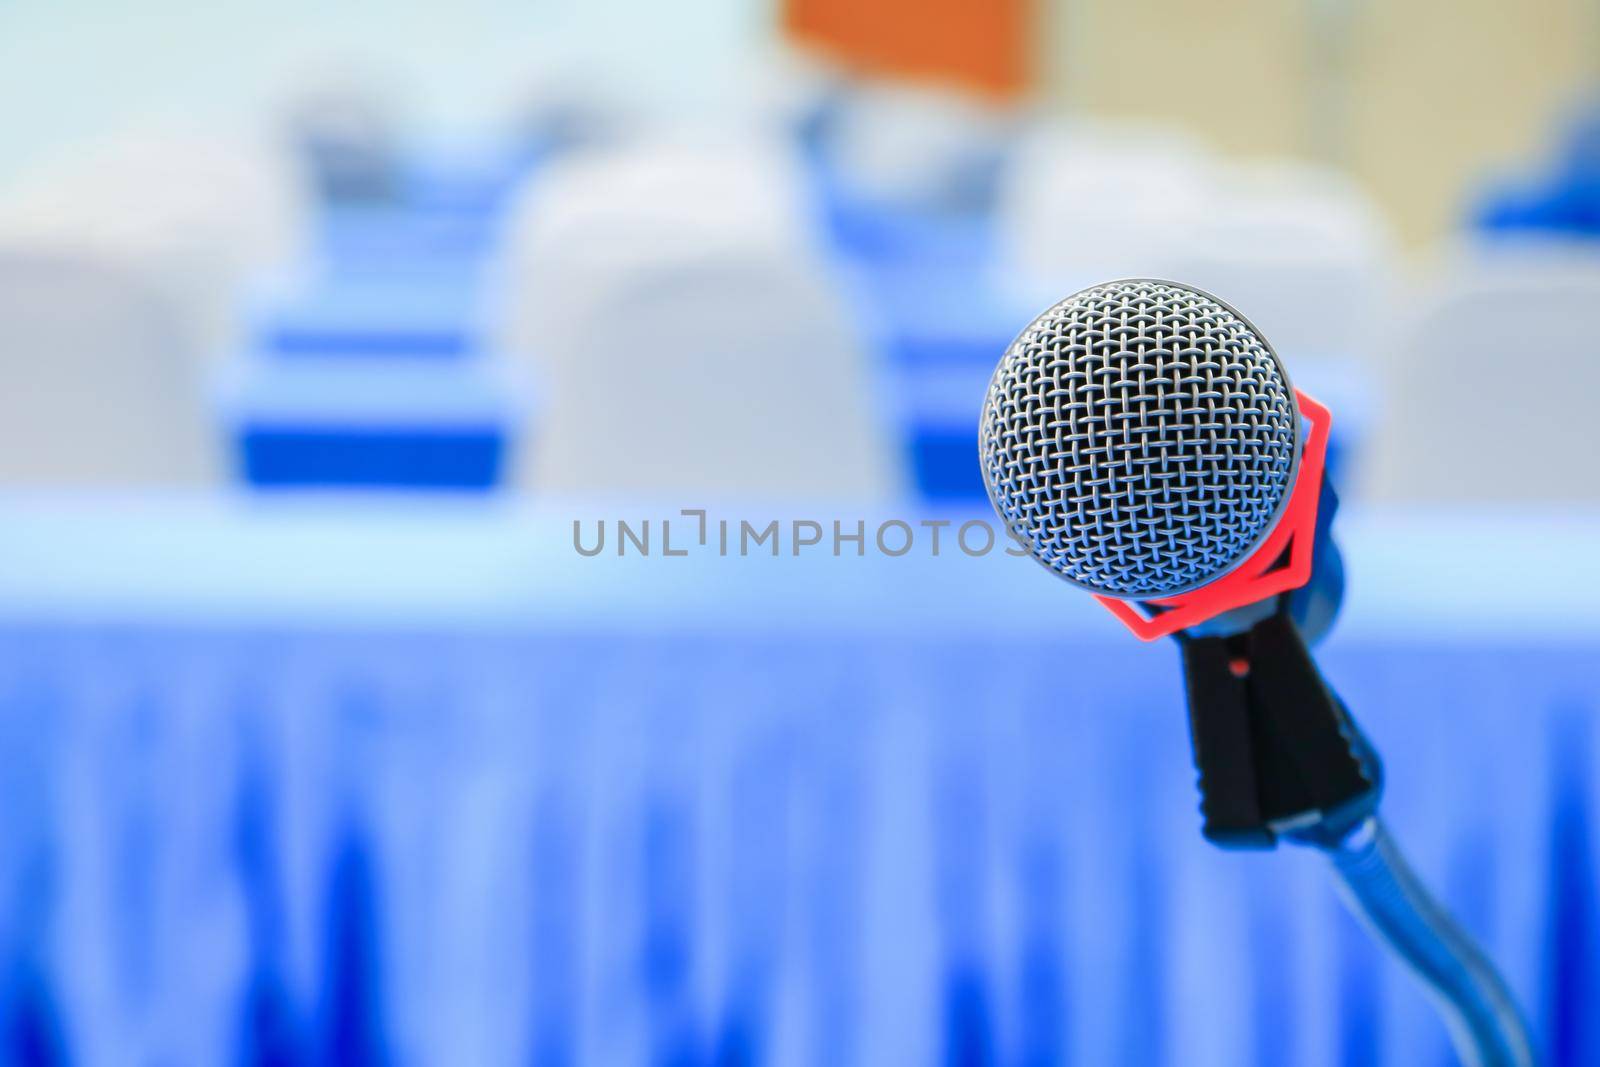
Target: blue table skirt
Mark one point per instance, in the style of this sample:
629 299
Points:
329 783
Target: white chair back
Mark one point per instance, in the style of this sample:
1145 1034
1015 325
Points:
687 334
1492 386
1086 202
103 384
198 217
918 147
1302 251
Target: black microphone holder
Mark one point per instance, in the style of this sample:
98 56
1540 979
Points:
1279 758
1276 751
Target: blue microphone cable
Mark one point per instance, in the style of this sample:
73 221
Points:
1379 886
1381 889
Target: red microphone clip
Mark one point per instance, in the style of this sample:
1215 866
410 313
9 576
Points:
1265 573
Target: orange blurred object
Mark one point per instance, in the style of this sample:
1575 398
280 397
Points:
979 44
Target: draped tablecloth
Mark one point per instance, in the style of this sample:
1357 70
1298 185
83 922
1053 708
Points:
316 781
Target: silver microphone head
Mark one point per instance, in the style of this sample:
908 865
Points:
1140 439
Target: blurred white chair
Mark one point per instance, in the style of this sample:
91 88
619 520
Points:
1492 387
918 147
102 385
196 216
1084 202
686 334
1301 250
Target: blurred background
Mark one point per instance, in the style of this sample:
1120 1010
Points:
326 329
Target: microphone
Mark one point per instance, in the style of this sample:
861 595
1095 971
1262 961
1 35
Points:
1142 441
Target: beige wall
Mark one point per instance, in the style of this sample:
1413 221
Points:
1420 98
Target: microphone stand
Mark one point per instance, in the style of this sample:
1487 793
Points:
1279 757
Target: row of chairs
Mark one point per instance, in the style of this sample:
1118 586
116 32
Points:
722 312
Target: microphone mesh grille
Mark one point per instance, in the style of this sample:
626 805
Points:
1140 438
